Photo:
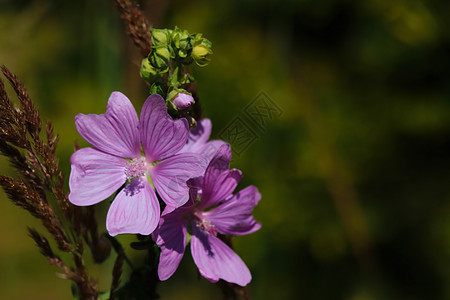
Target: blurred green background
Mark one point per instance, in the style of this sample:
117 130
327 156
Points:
354 172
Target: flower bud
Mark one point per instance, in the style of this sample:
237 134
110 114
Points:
181 42
160 37
148 72
159 58
201 55
182 101
202 50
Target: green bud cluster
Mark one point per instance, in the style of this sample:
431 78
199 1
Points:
166 67
178 46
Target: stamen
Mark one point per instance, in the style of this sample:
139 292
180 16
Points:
135 168
206 226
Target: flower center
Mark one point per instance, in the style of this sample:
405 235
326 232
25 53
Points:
206 226
135 168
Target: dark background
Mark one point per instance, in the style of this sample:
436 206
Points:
353 164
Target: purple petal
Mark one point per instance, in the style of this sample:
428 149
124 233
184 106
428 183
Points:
195 184
161 136
215 260
134 210
171 238
184 209
234 216
220 189
94 176
116 131
171 175
210 149
219 182
198 137
198 141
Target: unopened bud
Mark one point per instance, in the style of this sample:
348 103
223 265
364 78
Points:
148 72
181 42
182 101
201 55
160 37
159 58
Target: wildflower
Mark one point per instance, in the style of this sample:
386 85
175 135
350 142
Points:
116 160
217 211
198 140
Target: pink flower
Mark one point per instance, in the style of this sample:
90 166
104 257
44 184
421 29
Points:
217 211
116 160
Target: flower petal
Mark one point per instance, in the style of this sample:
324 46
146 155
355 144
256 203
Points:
134 210
198 137
234 216
210 149
171 238
219 182
116 131
171 175
94 176
215 260
185 208
161 136
198 141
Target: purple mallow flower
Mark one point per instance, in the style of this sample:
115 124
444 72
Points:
217 210
116 159
182 101
198 141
